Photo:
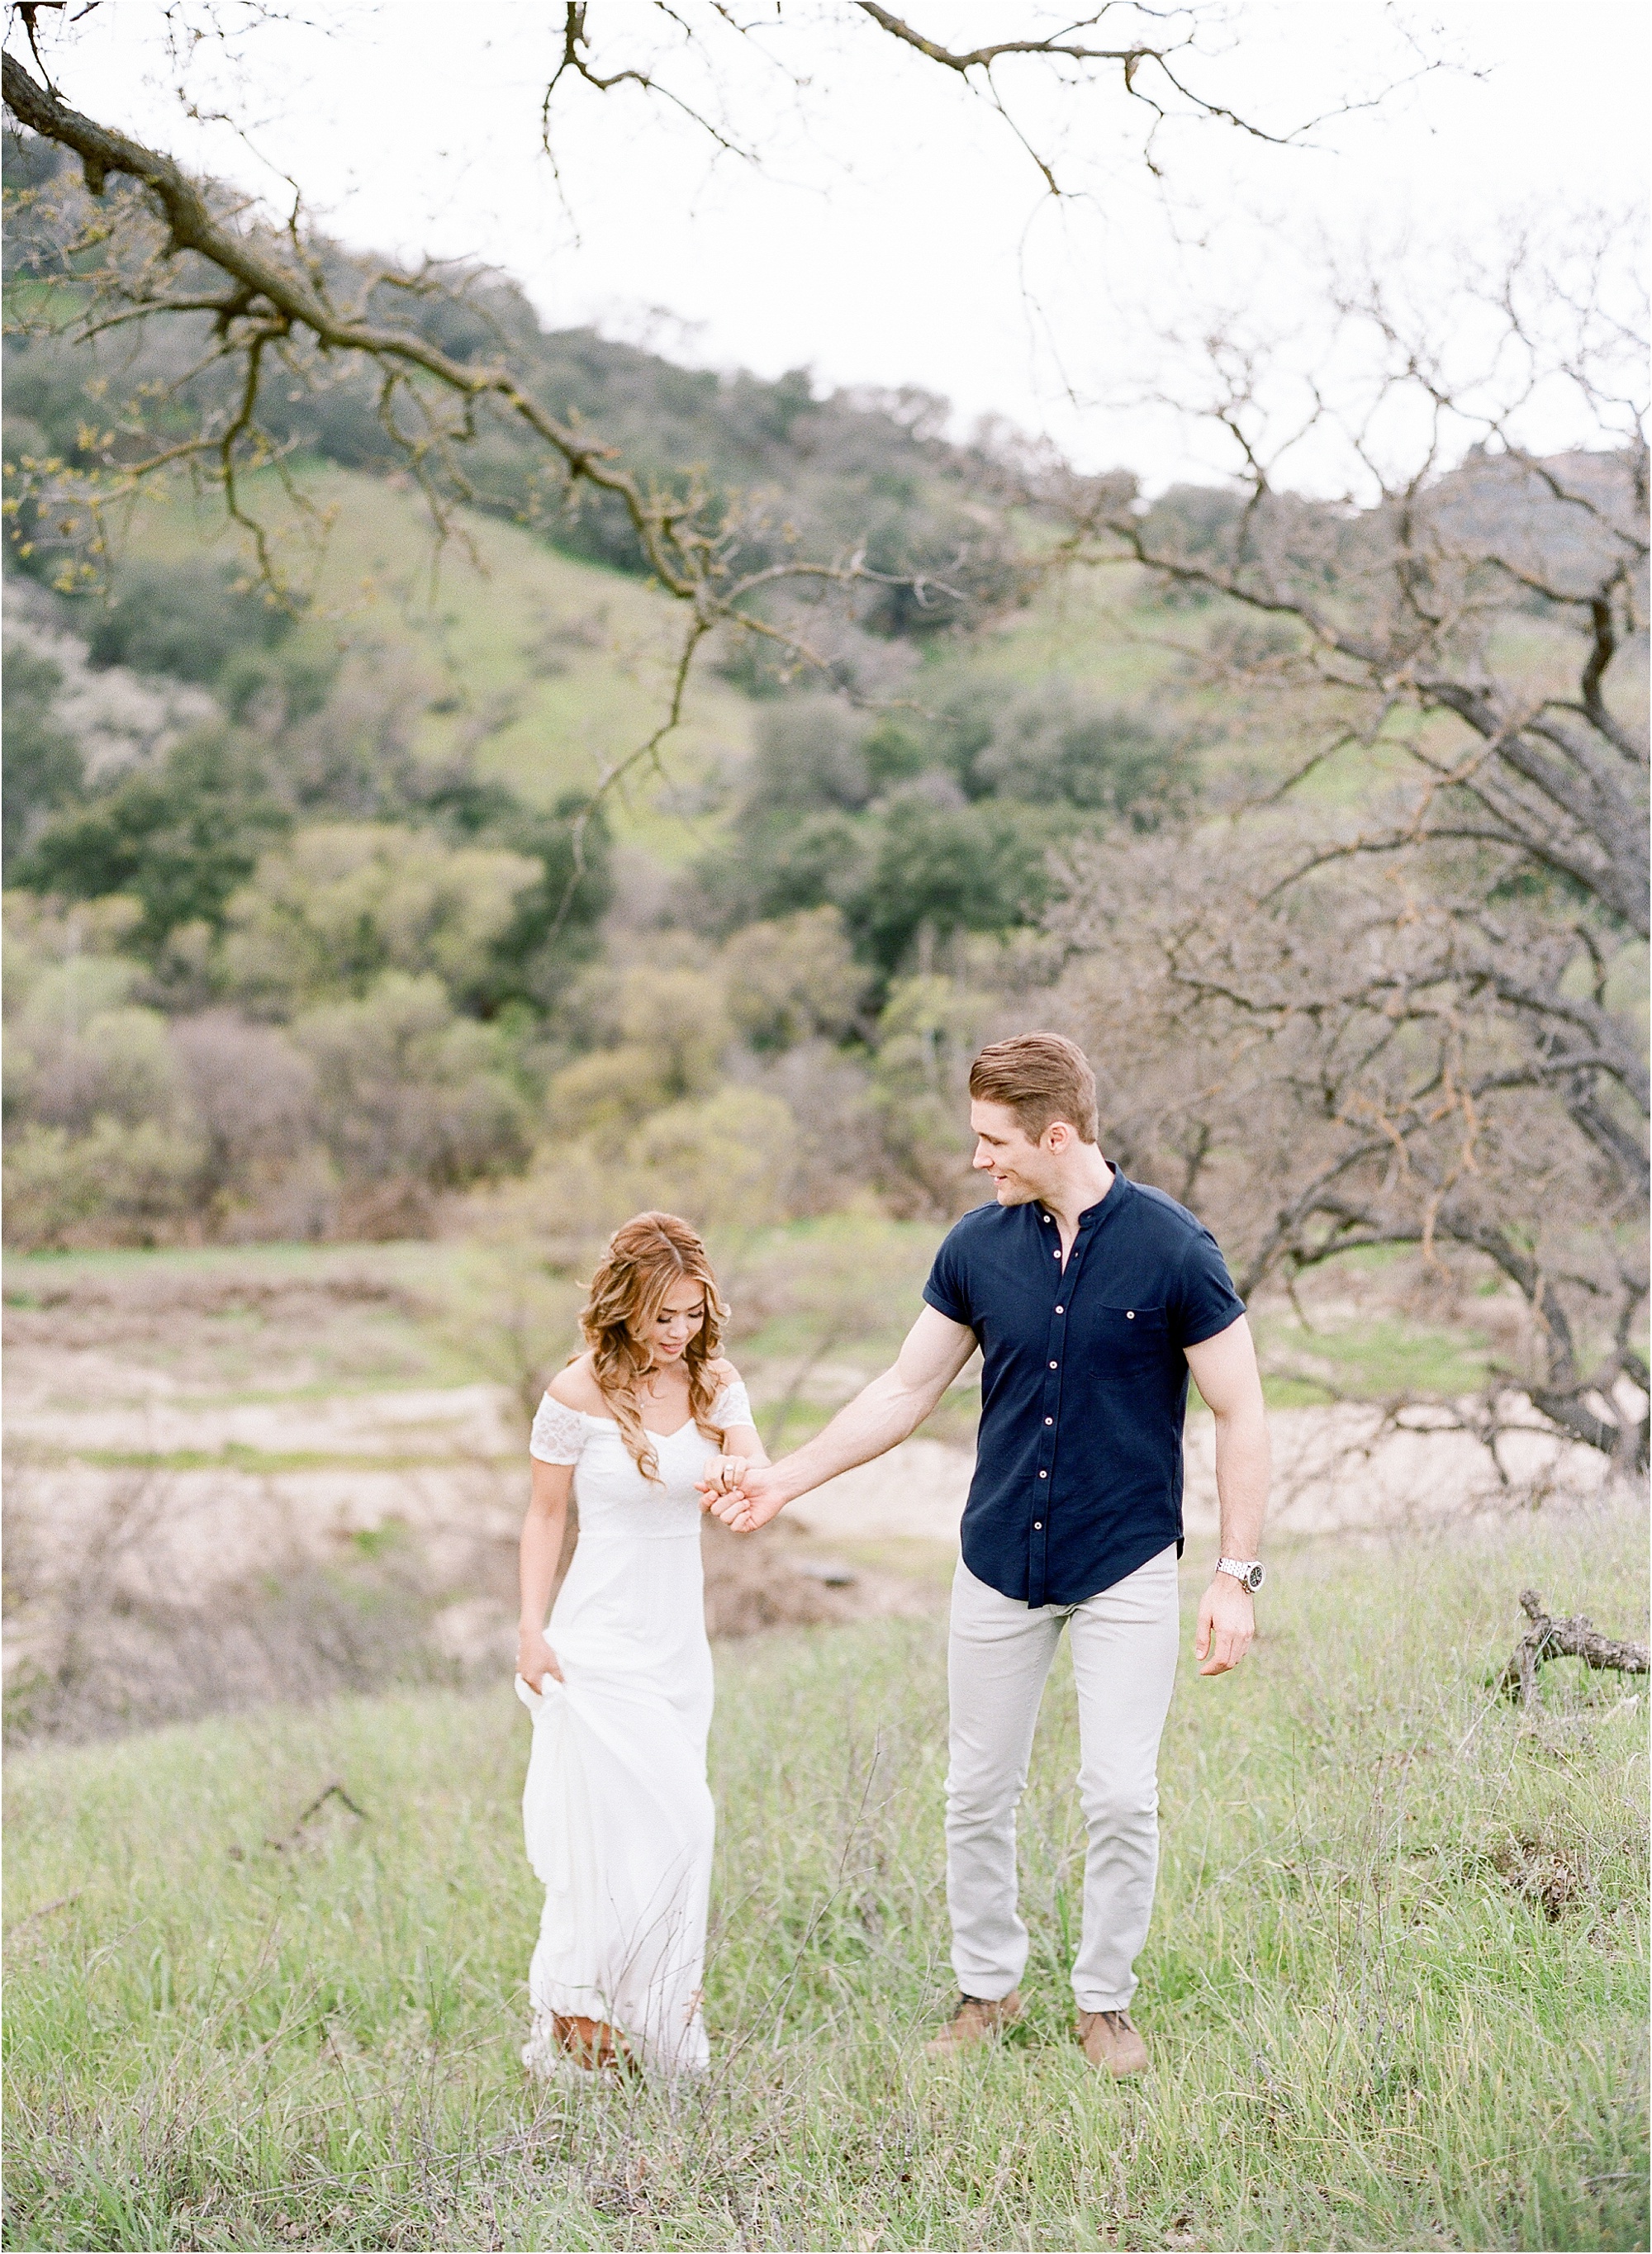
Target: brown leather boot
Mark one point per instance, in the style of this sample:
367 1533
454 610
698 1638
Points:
974 2021
593 2043
1110 2040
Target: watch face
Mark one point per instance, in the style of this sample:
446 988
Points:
1255 1578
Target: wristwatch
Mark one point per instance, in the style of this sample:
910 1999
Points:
1251 1576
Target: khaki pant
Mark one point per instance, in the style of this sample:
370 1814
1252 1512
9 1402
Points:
1124 1645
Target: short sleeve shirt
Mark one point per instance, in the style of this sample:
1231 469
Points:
1078 1474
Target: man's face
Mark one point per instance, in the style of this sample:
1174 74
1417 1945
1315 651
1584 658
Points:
1021 1169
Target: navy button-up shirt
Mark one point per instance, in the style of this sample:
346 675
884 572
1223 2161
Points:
1084 1385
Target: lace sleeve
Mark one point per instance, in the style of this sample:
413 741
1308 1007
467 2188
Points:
558 1433
734 1405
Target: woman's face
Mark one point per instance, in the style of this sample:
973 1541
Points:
679 1318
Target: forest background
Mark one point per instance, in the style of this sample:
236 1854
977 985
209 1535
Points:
398 893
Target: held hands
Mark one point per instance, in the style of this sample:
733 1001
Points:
536 1659
744 1495
1227 1623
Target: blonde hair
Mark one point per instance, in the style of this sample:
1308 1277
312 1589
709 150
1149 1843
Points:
1040 1077
645 1257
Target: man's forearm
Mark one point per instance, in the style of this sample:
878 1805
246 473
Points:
879 1417
1243 1462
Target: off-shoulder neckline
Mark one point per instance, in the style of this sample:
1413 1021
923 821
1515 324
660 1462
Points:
688 1426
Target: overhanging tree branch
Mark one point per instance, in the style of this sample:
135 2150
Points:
275 295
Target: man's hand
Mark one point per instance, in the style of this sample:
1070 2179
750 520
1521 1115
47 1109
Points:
1227 1623
880 1417
760 1496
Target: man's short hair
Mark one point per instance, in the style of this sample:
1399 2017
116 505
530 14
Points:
1040 1077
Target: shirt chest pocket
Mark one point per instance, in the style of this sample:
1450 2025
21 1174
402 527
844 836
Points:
1128 1338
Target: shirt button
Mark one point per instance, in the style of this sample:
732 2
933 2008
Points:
1061 1311
1055 1365
1049 1420
1130 1314
1044 1475
1038 1526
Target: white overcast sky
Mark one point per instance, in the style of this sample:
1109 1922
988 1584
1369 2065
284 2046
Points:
895 232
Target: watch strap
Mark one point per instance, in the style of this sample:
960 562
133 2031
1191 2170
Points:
1241 1568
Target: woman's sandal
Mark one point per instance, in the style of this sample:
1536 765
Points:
593 2044
575 2050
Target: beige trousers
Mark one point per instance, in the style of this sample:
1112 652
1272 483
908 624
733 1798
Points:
1124 1664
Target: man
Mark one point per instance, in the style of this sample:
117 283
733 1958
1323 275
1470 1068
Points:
1091 1297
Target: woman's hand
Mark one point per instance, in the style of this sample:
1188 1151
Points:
536 1659
722 1475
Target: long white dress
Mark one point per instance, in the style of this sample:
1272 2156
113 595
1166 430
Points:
616 1811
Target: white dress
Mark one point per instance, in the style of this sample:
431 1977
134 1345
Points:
616 1811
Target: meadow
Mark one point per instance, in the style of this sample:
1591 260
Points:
1395 1988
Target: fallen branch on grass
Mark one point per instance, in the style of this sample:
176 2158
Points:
1577 1638
294 1837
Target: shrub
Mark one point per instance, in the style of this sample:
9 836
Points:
407 1091
792 980
602 1095
187 619
344 902
554 921
723 1163
76 1048
114 1064
116 1183
1055 749
951 868
58 968
179 838
810 753
43 766
930 1029
270 690
252 1093
672 1032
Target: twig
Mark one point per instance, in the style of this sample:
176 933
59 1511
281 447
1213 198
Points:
46 1909
334 1791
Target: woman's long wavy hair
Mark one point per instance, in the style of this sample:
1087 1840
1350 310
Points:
644 1259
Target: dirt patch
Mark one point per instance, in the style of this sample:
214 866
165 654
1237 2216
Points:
94 1311
112 1651
168 1557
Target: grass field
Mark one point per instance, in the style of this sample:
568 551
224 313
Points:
1394 1989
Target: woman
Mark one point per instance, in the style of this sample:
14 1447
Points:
617 1811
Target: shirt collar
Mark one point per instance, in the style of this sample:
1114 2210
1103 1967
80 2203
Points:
1104 1208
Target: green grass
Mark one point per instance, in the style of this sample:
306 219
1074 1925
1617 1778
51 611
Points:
1367 2028
233 1456
1370 1357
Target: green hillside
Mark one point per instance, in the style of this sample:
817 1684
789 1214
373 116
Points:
550 670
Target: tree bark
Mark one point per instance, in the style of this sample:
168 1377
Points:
1575 1638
